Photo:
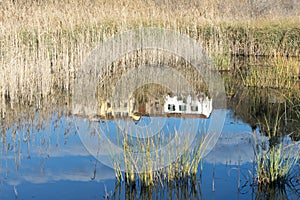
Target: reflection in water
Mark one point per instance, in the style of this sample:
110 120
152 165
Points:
189 188
55 144
257 106
233 149
52 157
43 157
188 106
173 94
180 106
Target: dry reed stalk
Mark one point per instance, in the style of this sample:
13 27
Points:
43 43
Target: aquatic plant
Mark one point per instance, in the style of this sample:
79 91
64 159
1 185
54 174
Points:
186 188
139 170
275 72
275 164
274 159
43 43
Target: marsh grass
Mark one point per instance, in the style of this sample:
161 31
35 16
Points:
188 188
157 58
142 171
275 160
276 192
275 165
276 72
44 43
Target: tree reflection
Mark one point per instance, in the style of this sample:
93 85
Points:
185 188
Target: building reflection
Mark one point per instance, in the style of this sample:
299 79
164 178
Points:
168 106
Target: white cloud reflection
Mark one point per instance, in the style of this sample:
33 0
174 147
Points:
232 148
69 162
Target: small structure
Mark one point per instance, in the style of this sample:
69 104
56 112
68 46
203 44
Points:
172 106
188 106
116 109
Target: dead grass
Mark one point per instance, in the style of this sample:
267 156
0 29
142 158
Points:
43 43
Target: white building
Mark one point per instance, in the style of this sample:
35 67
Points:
178 105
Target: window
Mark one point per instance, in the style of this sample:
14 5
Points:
156 106
171 107
182 107
118 114
194 108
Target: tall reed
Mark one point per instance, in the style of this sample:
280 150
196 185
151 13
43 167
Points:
143 172
275 72
44 43
274 159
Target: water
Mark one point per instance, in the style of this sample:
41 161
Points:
55 164
48 152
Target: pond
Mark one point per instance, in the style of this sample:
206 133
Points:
168 141
51 162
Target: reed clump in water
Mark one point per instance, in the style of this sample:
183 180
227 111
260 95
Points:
274 159
275 165
140 171
189 188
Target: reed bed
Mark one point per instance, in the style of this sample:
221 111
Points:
275 161
148 170
276 72
159 58
44 43
275 165
188 188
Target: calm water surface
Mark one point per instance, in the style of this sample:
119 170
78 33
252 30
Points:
52 163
